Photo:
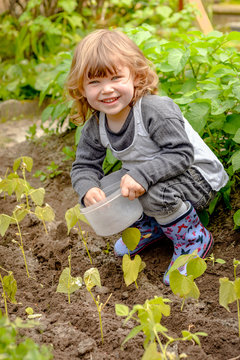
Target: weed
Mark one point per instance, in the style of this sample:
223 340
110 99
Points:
52 172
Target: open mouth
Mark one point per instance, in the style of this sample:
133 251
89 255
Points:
109 101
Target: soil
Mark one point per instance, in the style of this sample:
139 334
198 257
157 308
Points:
73 329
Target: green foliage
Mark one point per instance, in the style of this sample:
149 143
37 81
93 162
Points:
229 292
149 316
184 285
131 267
67 283
52 172
12 183
12 348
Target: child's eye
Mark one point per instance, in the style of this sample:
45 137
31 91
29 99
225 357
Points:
116 77
92 82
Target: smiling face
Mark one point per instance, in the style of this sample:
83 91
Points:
111 93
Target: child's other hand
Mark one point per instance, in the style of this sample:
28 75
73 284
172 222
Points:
93 196
131 188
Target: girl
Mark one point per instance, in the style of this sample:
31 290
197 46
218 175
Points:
165 163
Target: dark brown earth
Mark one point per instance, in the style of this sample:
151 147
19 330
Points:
73 329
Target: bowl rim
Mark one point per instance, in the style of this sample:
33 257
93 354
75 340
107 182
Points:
99 204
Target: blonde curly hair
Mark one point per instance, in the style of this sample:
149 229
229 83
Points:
99 54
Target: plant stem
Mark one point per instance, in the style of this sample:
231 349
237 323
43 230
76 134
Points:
84 242
182 304
24 177
160 344
21 246
69 277
4 297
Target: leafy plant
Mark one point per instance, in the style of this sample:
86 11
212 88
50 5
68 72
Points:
92 278
52 172
67 283
184 285
69 153
149 316
212 259
9 286
229 291
131 268
72 217
12 347
20 186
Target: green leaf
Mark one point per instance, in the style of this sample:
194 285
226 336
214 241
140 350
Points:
131 238
73 215
45 213
92 278
37 196
26 161
131 268
5 221
227 293
10 287
236 137
235 159
19 213
197 114
236 218
177 59
68 5
183 286
151 352
121 310
232 124
133 333
68 284
29 310
196 267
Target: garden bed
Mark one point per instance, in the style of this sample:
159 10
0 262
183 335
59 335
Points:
73 329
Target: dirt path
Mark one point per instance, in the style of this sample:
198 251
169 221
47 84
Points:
73 329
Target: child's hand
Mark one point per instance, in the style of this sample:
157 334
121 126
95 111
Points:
130 188
93 196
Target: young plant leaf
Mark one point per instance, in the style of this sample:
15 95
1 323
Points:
183 286
45 213
10 287
67 283
131 238
131 268
19 213
121 310
92 278
196 267
227 293
5 221
73 215
27 162
151 353
37 196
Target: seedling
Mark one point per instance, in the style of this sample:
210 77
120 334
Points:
67 283
9 286
131 268
72 217
14 184
212 259
92 278
32 132
69 153
184 286
52 172
229 291
31 314
149 316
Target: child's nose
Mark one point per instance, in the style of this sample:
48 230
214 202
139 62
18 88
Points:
107 87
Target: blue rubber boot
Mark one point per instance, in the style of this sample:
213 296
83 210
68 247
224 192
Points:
187 234
147 226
